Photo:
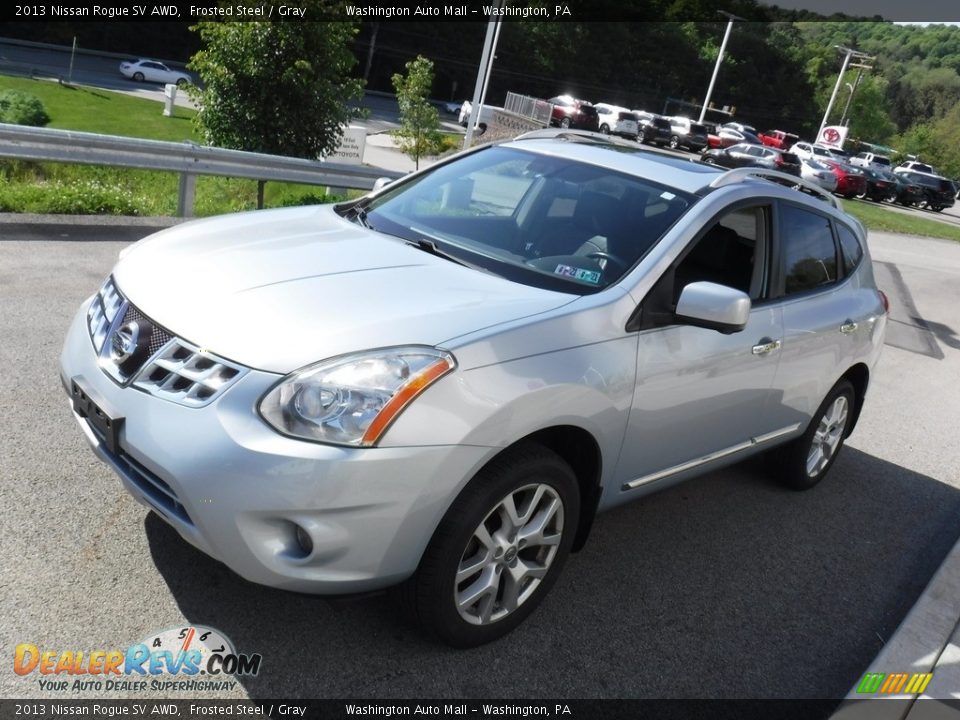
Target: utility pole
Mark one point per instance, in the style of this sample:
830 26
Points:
853 88
716 68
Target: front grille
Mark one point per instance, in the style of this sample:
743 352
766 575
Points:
102 312
158 338
187 375
168 367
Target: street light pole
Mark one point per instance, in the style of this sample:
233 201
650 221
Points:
836 88
486 65
853 88
716 68
850 53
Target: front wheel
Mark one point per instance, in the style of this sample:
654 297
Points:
674 142
138 76
565 123
498 550
805 462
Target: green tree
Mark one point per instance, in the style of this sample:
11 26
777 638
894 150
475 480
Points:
282 88
419 132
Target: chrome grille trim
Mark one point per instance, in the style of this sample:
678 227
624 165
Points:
173 369
103 310
185 374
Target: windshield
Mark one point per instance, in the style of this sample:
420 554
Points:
540 220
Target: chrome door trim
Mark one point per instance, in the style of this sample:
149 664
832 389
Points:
710 457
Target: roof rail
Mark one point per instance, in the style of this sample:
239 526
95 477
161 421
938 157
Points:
738 175
556 132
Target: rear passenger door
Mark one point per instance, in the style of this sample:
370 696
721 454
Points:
825 315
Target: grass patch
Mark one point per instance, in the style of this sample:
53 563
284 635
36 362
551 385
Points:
875 217
101 111
96 190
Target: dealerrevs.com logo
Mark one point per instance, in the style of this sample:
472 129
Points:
193 658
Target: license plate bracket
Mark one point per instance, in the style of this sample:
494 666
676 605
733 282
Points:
106 424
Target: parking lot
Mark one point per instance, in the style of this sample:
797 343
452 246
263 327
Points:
727 586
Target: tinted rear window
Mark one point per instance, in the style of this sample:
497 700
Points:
809 254
790 158
628 116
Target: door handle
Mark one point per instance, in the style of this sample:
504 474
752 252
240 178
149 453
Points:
766 346
848 327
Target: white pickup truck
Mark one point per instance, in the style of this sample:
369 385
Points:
484 119
871 160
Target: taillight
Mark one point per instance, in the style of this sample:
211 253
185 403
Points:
885 300
779 161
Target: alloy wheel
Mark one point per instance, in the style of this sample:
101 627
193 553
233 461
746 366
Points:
827 437
509 553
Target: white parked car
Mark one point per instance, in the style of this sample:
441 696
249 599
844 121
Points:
818 173
153 71
615 120
915 166
807 151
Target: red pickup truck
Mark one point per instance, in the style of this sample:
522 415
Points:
778 139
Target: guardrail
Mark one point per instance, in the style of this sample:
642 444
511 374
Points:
188 159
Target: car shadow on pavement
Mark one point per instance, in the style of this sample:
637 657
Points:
726 586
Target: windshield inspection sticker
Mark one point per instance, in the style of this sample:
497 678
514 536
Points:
589 276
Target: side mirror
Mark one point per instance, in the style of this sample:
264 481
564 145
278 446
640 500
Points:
712 306
381 183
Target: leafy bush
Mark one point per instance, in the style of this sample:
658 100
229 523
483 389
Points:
76 198
22 108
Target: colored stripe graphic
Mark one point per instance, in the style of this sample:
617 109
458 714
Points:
894 683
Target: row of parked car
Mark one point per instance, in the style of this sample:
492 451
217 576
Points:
865 175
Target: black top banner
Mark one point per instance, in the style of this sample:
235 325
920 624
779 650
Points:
477 10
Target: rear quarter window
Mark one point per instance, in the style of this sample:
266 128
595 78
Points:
809 256
850 248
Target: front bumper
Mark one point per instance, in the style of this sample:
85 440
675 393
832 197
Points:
239 491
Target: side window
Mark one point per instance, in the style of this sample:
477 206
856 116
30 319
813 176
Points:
731 253
807 248
850 248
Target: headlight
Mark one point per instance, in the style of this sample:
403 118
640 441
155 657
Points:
352 400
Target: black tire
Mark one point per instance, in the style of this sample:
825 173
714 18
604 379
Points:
605 129
792 462
565 122
674 142
429 596
138 77
181 82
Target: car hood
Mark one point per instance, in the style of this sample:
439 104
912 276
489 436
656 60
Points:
279 289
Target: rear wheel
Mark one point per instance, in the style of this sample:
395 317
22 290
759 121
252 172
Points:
674 142
565 122
804 462
498 550
605 129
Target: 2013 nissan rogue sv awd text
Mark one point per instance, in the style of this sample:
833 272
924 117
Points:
440 384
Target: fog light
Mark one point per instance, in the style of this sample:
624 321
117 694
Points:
304 541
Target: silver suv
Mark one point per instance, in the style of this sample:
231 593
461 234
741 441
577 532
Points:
439 385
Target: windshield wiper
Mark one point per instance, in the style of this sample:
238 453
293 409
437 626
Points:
429 246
